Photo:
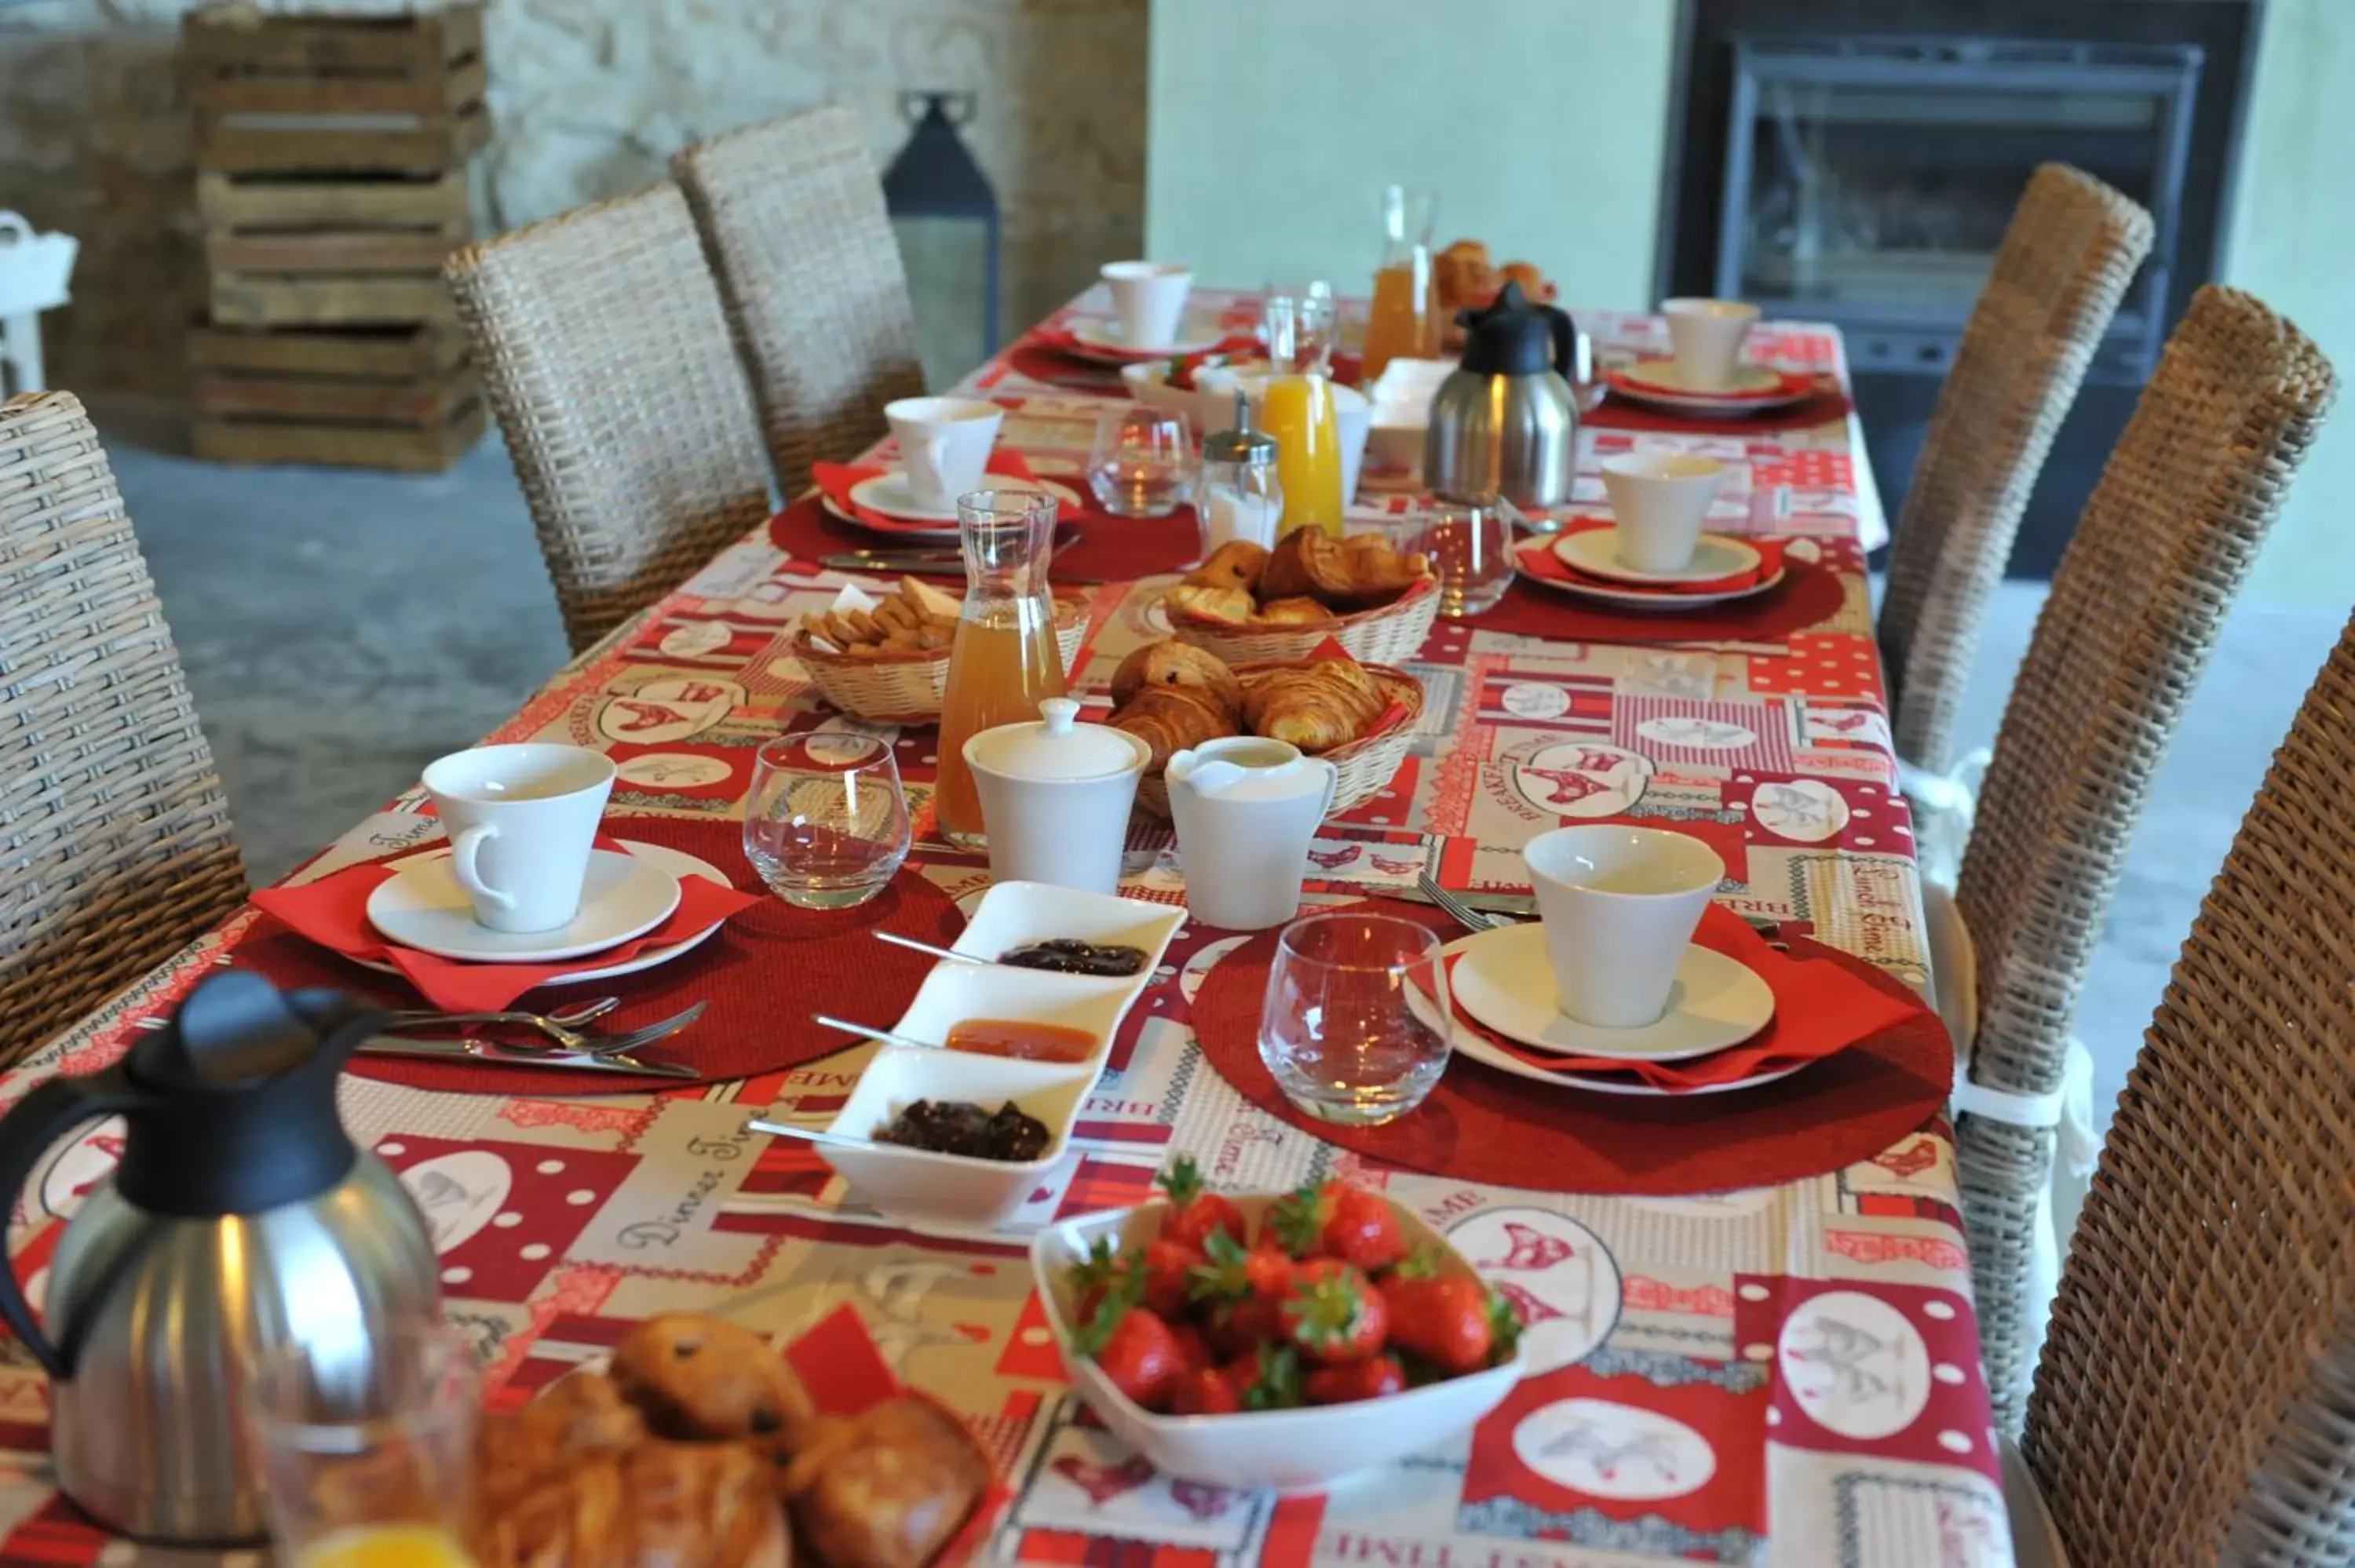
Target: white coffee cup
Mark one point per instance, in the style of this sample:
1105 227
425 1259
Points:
944 445
1660 501
1147 299
1246 810
521 819
1707 336
1619 905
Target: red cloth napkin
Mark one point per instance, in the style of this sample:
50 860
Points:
836 479
1819 1009
333 912
1538 558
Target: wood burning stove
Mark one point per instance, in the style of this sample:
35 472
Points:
1856 161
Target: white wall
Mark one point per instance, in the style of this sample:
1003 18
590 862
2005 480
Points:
1271 129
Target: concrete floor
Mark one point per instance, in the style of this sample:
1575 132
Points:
341 629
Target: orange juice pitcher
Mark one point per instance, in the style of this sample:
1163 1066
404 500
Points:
1403 322
1296 407
1005 660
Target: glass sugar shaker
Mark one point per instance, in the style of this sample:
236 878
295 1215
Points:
1241 497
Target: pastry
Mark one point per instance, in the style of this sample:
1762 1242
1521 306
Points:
1171 719
1379 571
1360 573
1298 612
887 1487
1316 707
1526 274
574 1417
677 1505
1235 563
1172 663
699 1378
1201 601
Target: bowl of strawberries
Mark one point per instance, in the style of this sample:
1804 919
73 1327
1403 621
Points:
1283 1340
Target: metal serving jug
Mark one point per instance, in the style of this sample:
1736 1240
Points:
1503 423
240 1220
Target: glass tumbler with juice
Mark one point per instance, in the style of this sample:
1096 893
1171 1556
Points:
1005 658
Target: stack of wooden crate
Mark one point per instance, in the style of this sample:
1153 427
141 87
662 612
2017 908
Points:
332 157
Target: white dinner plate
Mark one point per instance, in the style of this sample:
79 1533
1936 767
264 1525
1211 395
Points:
887 493
1595 552
1098 338
1504 979
1470 1041
1661 384
679 863
1637 598
421 905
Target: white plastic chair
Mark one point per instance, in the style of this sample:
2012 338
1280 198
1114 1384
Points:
33 270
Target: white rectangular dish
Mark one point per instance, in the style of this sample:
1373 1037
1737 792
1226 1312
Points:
953 1189
1305 1449
1011 914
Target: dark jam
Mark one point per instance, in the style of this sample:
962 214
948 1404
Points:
1070 956
960 1127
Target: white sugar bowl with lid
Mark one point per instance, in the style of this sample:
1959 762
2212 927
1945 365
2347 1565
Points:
1055 795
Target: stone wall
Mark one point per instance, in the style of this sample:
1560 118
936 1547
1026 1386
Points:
590 98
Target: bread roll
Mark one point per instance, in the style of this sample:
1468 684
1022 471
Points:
887 1487
1169 663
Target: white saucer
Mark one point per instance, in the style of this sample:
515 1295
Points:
887 493
1505 981
1634 598
1100 338
1470 1041
1663 384
421 905
1595 552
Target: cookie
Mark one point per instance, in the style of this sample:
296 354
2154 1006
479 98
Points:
700 1379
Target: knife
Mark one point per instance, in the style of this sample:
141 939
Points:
928 563
1524 906
489 1054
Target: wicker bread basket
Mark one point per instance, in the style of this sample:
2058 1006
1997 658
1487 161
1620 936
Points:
1365 765
906 686
1384 636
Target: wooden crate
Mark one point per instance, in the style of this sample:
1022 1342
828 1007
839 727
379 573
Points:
404 397
289 92
301 252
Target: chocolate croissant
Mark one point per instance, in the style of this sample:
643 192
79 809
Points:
1235 563
1173 664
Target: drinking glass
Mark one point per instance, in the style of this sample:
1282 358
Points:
1142 465
1355 1022
369 1458
826 823
1314 326
1470 547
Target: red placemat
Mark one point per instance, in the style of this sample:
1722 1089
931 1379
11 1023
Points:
1810 596
1050 365
1108 549
764 973
1620 412
1484 1126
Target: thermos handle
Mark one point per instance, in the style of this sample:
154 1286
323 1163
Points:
33 1124
1565 350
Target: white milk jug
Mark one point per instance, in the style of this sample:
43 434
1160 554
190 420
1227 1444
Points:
1247 811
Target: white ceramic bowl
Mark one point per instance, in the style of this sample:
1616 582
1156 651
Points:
1291 1450
954 1189
1148 381
1012 913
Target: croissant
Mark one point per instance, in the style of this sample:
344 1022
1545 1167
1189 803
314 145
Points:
1174 664
1363 572
1203 601
886 1488
1235 563
1381 572
1299 611
1327 704
692 1505
1170 719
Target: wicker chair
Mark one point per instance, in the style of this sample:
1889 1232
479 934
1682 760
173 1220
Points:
2187 497
2192 1402
2072 247
608 362
793 215
115 839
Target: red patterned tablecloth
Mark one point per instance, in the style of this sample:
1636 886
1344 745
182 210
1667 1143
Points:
1782 1376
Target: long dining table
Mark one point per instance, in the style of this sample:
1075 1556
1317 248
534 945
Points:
1784 1374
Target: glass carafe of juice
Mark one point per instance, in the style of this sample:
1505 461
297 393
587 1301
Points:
1005 658
1404 321
1296 407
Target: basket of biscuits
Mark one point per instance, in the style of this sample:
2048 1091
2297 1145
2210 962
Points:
889 661
1250 605
1360 718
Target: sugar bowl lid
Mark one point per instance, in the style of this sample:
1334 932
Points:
1056 748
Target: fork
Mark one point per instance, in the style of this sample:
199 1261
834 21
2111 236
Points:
1456 909
562 1039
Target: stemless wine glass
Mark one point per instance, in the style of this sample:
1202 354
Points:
1316 321
1470 547
826 823
1354 1025
370 1457
1142 465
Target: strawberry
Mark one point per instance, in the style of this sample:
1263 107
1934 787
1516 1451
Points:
1195 1213
1370 1379
1167 1268
1135 1348
1333 1313
1267 1379
1193 1345
1331 1219
1240 1288
1204 1391
1092 1278
1449 1319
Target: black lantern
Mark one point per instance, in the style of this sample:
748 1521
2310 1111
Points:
945 217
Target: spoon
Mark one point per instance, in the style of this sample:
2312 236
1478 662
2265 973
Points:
896 940
874 1034
808 1134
